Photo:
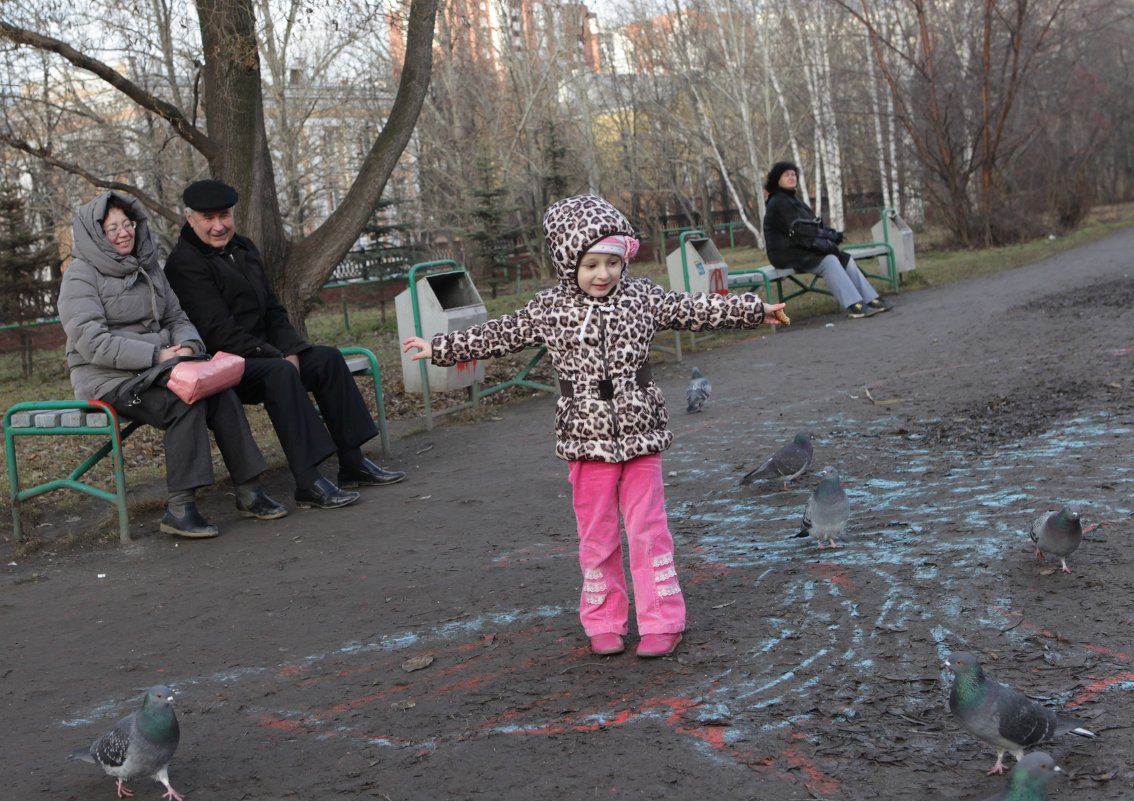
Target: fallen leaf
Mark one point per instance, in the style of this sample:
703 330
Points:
416 663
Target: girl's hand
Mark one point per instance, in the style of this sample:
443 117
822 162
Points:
774 314
424 348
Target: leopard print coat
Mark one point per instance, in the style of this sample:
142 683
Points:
593 340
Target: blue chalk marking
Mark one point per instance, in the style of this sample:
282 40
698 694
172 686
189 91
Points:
393 642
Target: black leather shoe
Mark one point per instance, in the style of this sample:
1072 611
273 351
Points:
324 495
190 524
371 475
262 507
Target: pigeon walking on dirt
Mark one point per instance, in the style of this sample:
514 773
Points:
1004 718
1028 781
827 511
697 392
791 461
1057 533
140 745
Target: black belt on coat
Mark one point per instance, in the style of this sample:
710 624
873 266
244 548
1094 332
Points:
643 376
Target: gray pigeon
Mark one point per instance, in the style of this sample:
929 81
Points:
1004 718
141 744
1057 533
827 510
1028 781
697 392
791 461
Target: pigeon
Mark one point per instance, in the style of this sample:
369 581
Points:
1004 718
790 461
698 392
827 510
1029 779
1057 533
141 744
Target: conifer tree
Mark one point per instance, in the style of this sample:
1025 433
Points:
25 291
495 237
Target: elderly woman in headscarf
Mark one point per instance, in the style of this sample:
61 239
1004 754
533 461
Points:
796 238
121 319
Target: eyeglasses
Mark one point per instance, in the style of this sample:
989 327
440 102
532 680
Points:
112 230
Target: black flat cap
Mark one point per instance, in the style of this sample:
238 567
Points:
209 195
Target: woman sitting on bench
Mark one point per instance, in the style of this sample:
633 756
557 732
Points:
796 239
121 318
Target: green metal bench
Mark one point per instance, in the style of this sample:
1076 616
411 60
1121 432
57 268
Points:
769 277
93 417
363 362
68 418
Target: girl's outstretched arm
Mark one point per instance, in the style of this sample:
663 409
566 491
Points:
424 348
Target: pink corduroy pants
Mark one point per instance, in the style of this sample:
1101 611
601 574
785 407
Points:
600 490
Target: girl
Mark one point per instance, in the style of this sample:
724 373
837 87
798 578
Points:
610 421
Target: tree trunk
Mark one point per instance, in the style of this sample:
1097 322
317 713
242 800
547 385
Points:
234 108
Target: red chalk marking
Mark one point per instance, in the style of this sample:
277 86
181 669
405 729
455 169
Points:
833 573
700 573
818 781
1094 688
1098 649
1053 635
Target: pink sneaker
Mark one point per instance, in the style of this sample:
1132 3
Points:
607 644
654 645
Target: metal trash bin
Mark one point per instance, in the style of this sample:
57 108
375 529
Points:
445 302
697 265
894 231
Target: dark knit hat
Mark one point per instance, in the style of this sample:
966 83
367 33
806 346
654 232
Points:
209 195
777 171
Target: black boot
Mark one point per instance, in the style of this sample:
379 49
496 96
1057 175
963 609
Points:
256 503
188 523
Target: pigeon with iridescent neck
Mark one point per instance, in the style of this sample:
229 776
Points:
140 745
1028 781
1005 718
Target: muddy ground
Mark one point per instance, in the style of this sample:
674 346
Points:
955 419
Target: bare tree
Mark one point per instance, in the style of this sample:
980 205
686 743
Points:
235 142
989 55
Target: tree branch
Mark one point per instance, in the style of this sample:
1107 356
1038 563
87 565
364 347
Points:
146 100
339 231
44 154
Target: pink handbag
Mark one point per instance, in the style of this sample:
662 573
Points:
194 379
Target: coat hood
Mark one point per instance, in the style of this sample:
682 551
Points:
572 225
90 244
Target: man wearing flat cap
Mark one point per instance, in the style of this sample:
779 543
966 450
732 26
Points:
218 275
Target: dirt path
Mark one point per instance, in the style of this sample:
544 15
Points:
955 419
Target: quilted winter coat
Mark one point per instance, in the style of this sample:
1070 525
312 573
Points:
610 411
118 311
